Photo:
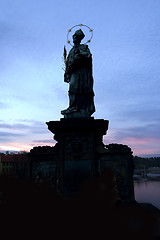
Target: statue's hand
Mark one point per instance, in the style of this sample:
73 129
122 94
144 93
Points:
77 56
66 78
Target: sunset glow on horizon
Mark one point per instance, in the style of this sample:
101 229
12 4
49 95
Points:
138 144
126 70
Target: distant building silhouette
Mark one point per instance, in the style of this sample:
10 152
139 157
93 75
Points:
14 164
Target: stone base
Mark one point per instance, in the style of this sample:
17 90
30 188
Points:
79 155
43 165
119 157
77 142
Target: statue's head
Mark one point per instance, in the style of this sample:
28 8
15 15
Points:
78 36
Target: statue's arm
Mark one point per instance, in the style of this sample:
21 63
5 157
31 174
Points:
80 56
85 52
66 77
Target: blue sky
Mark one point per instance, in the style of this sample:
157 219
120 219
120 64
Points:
126 69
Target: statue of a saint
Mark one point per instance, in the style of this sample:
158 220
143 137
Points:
78 74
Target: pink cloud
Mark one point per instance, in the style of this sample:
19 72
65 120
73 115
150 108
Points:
17 146
145 145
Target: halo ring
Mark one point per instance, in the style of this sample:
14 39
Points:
80 25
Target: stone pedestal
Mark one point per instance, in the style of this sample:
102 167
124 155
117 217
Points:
43 166
79 155
119 157
77 144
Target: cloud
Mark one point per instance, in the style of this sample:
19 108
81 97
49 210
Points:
3 105
140 132
142 113
48 141
23 132
9 137
35 127
13 126
148 131
8 134
142 139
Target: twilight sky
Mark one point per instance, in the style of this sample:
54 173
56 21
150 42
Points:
126 69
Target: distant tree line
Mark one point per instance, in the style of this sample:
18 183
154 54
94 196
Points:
147 162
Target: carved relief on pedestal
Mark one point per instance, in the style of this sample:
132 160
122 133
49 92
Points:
76 147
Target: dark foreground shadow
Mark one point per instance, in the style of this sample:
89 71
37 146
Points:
28 210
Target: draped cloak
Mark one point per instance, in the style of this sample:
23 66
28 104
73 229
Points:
79 75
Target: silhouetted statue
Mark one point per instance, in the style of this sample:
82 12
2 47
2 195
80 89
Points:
79 76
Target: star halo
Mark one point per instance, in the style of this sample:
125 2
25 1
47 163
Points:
82 26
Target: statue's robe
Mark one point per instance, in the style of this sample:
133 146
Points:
79 74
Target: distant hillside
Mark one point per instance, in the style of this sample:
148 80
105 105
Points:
8 151
140 162
148 155
12 152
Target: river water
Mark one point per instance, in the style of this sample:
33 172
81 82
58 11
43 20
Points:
147 191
